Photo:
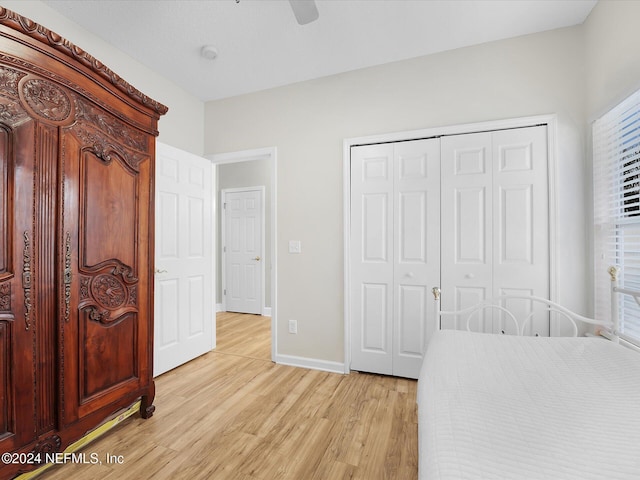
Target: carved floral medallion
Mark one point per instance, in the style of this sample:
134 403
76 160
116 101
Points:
108 291
46 99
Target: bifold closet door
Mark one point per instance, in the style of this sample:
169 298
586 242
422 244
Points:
395 254
495 224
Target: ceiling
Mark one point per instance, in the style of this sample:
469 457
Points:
260 45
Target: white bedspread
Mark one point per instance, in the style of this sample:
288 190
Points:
505 407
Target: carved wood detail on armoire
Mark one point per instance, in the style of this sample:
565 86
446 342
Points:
77 145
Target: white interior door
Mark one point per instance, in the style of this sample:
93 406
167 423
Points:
372 258
495 224
184 313
416 250
521 222
243 250
467 219
395 222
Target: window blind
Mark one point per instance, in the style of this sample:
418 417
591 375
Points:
616 185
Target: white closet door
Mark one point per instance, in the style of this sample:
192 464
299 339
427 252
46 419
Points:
495 224
372 258
521 221
395 254
417 250
467 254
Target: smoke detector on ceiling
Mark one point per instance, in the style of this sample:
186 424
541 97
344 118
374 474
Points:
209 52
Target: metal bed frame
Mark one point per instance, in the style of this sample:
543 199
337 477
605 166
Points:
610 328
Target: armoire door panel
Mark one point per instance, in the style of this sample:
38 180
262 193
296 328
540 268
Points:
17 327
108 213
105 255
108 354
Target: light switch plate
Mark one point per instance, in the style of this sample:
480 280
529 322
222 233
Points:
295 246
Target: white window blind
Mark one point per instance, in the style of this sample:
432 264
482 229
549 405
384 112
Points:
616 174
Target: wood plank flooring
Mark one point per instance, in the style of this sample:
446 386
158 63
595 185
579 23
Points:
233 414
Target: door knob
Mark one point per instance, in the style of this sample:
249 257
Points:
257 259
160 271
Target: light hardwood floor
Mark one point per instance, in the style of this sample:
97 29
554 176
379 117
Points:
233 414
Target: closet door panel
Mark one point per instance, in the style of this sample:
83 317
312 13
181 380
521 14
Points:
521 219
467 221
416 250
495 224
372 258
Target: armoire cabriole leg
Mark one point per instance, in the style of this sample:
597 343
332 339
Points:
146 406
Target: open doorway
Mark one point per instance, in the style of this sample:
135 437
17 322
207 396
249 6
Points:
237 171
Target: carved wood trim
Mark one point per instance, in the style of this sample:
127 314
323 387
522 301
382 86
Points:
44 35
5 297
49 445
45 99
111 126
26 280
108 292
11 110
67 277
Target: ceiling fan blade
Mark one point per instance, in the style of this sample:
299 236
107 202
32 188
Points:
304 10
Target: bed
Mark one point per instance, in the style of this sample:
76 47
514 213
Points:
524 407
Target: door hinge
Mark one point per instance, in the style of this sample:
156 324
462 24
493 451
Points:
224 292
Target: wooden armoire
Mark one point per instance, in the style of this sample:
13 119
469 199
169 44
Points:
77 147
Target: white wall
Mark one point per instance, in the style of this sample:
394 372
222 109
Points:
613 54
182 127
307 122
612 70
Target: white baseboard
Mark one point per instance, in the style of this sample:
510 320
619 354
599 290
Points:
311 363
266 311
